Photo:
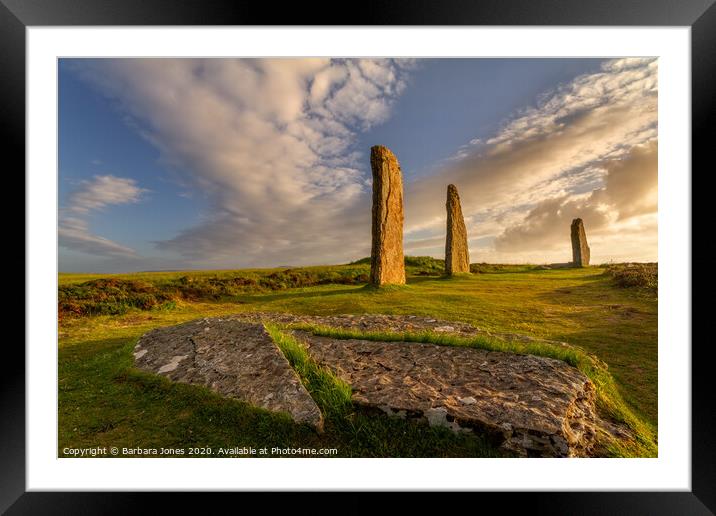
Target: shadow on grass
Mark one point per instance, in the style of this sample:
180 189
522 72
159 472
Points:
414 280
620 327
318 292
594 289
283 295
104 401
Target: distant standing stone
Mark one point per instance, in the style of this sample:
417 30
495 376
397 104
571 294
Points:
580 249
457 257
387 264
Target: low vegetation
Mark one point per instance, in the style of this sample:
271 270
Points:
639 275
121 293
90 294
493 268
84 295
104 401
331 394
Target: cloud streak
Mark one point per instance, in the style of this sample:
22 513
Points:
629 191
520 186
95 195
269 144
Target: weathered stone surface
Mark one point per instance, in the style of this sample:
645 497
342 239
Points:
387 262
580 249
234 358
532 406
457 256
396 324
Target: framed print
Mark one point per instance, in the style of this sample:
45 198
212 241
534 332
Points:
437 249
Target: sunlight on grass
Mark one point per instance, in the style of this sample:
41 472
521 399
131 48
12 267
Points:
101 398
332 394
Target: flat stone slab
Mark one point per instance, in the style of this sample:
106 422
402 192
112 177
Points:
234 358
529 405
398 324
365 322
533 406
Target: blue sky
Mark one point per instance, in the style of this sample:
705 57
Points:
172 164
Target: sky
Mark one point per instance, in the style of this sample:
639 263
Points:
169 164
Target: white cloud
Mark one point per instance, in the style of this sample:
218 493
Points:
94 195
104 191
629 191
268 142
547 158
74 234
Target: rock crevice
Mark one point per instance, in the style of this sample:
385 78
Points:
529 405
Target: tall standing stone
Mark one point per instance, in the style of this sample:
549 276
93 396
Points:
387 264
580 249
457 257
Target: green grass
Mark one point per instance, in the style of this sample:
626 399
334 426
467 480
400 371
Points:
114 294
102 399
567 354
331 394
105 402
82 295
333 397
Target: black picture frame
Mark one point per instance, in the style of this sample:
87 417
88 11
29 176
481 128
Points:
700 15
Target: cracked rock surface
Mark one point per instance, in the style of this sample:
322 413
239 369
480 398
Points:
529 405
236 359
533 406
397 324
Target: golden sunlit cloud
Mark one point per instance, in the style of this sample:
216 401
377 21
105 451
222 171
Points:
271 145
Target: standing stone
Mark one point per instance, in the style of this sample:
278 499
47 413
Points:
457 257
387 264
580 249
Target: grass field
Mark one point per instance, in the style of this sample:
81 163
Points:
103 401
